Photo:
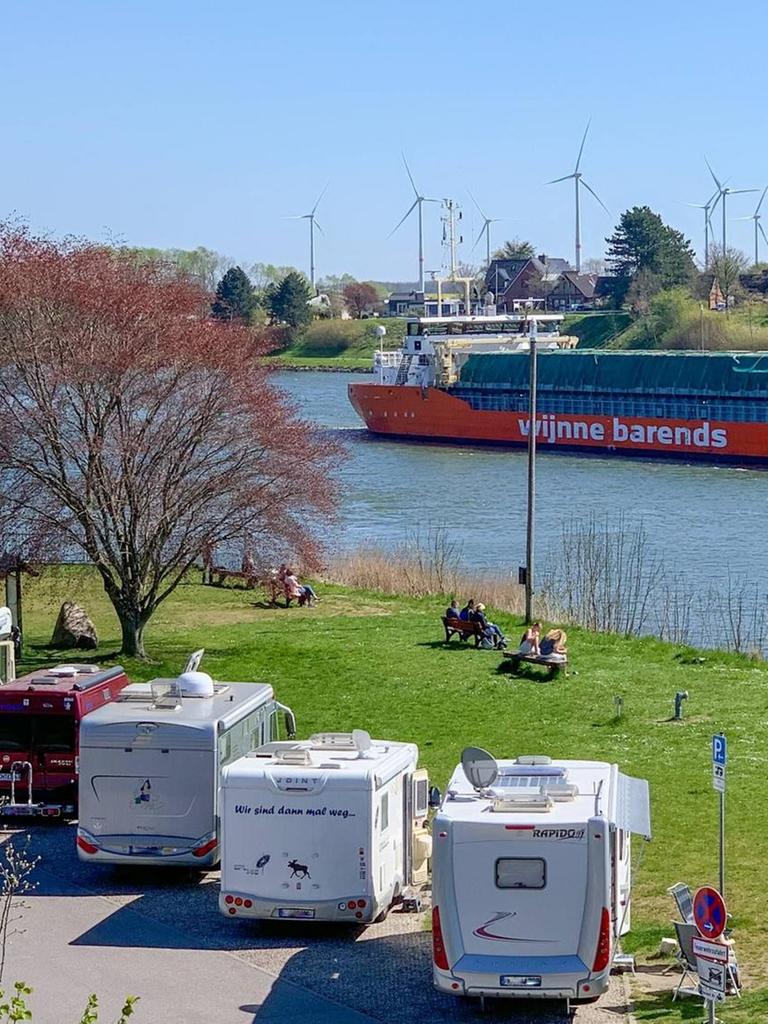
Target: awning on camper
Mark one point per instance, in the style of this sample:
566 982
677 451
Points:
633 806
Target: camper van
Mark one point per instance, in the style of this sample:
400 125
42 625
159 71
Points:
327 829
151 763
40 714
531 876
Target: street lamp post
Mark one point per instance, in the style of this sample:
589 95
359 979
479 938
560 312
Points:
529 547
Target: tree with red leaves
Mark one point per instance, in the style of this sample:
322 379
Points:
139 430
360 297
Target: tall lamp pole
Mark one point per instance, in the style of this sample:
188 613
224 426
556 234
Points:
531 475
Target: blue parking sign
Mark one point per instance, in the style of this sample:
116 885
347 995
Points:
719 750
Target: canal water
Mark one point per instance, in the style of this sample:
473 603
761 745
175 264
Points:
705 523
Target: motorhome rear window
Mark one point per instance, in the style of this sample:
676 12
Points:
55 733
15 732
521 873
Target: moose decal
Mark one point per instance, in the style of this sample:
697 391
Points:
298 870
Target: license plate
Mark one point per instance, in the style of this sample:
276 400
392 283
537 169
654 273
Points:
520 981
9 777
297 912
20 809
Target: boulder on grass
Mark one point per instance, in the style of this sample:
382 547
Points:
74 629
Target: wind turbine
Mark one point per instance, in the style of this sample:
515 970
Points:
485 230
710 205
578 181
723 192
758 226
312 225
419 201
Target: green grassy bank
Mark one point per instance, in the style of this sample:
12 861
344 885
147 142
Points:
341 344
363 660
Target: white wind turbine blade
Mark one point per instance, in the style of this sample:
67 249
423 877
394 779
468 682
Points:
714 177
565 177
762 197
712 199
478 207
318 226
483 230
581 147
741 191
404 218
410 176
597 197
320 197
762 232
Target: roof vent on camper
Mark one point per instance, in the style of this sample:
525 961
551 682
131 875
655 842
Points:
193 661
358 740
293 755
479 767
533 759
539 802
195 684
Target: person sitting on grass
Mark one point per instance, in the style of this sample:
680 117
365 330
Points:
529 645
467 611
490 630
553 644
452 611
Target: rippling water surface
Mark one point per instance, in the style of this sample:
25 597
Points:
704 521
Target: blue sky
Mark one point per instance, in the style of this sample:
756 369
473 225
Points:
183 124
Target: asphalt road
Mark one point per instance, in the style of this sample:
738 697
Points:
159 935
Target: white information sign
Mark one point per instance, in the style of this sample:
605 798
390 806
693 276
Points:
712 968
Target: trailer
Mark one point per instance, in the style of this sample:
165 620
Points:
40 715
532 876
151 764
327 829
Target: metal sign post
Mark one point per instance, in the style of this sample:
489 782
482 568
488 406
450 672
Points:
531 475
719 764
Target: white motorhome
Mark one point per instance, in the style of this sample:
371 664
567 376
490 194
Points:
327 829
151 763
531 876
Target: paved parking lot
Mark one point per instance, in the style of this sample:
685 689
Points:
158 934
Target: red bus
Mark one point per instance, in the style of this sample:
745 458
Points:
39 735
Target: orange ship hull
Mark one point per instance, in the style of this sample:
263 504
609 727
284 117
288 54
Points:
432 414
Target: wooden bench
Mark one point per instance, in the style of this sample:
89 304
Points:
514 658
218 576
463 629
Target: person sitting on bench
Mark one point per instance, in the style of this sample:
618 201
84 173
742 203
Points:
303 593
490 630
553 644
467 611
529 645
452 611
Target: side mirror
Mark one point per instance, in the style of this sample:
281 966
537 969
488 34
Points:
434 796
290 725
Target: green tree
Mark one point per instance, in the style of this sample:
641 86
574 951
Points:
201 265
235 299
643 244
287 302
515 249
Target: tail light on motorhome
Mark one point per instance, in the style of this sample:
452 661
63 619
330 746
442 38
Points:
438 946
206 848
85 846
603 954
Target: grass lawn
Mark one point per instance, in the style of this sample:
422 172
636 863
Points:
342 344
363 660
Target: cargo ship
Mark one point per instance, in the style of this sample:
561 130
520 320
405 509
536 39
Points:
466 379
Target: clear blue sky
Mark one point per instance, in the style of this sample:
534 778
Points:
169 123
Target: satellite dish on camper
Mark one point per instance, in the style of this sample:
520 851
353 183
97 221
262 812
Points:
193 661
361 740
479 767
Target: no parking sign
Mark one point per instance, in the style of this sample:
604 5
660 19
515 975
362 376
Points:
709 912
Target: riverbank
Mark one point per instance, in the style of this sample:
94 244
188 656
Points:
363 659
349 345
